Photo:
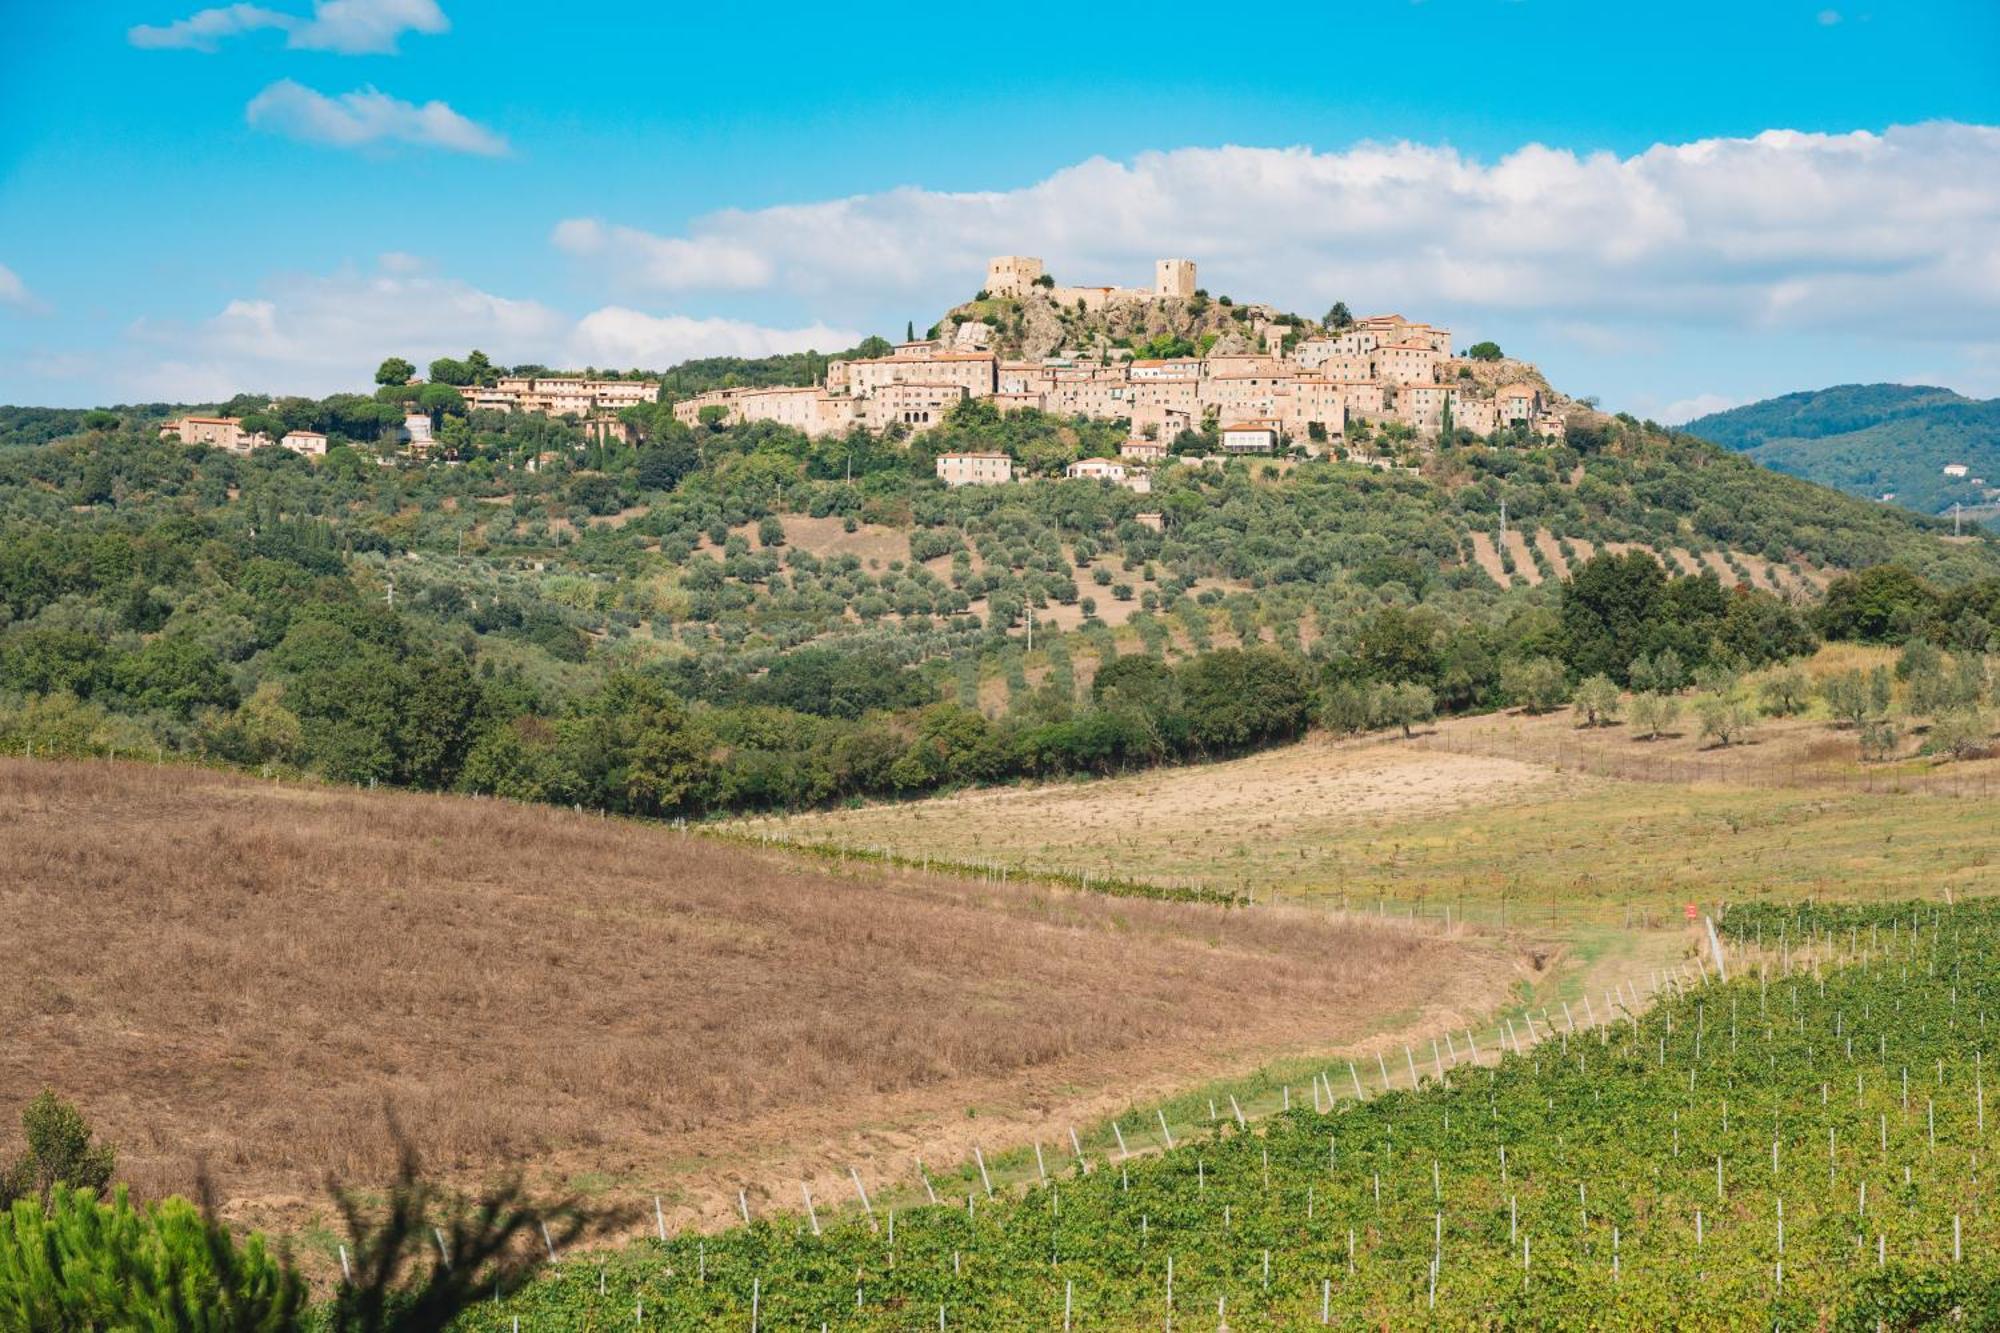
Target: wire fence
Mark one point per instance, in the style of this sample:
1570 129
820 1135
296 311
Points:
1372 1068
1443 910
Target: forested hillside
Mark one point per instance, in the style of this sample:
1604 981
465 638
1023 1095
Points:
728 618
1873 440
721 372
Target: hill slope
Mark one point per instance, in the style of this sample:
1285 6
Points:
1873 440
623 632
268 965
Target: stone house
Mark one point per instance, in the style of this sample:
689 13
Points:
974 469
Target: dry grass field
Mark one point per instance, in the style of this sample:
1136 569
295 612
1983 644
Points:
214 966
1246 823
1564 825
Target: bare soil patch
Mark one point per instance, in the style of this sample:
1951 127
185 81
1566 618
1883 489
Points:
1524 560
827 537
1720 568
1545 542
1487 556
621 518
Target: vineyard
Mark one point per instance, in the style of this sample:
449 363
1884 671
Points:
1798 1146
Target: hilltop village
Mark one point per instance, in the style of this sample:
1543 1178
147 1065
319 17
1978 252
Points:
1249 379
1294 386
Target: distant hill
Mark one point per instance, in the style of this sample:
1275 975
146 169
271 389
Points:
1874 440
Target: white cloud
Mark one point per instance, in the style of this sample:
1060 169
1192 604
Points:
366 116
1828 17
666 263
617 336
1687 409
354 27
320 334
206 29
348 27
1897 232
14 293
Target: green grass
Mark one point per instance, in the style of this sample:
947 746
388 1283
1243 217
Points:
1599 851
1657 845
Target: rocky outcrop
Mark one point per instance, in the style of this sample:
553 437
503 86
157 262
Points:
1034 326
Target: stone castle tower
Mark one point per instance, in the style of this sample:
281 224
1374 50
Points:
1012 275
1173 277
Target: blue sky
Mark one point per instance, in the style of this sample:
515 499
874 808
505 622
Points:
274 196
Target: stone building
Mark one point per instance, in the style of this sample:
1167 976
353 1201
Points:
1017 275
1174 278
974 469
216 432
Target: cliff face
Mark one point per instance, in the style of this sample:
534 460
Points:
1494 375
1034 326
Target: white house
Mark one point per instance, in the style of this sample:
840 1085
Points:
1250 437
1096 469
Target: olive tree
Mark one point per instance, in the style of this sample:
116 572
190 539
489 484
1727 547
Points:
1536 683
1724 718
1653 713
1785 691
1597 701
1403 705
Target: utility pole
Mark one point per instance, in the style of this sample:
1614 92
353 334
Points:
1031 627
1954 518
1503 520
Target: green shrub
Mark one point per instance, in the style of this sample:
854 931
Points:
80 1264
1879 740
1960 734
60 1154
